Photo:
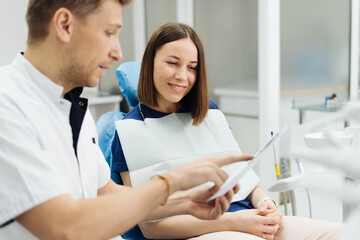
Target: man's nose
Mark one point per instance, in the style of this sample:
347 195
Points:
116 52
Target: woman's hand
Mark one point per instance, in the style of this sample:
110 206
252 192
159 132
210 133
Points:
253 222
268 206
200 208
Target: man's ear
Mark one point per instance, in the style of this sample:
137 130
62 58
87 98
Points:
63 21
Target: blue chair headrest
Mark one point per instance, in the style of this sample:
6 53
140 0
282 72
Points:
128 76
105 127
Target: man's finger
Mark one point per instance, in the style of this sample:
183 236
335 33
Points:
224 204
236 188
218 179
223 160
216 213
220 172
229 195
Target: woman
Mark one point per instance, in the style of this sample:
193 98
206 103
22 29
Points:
173 121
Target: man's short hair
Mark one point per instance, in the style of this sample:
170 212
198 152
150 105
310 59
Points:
40 12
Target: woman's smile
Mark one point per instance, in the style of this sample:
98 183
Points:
177 88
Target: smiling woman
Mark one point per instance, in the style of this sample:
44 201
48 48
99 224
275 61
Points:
177 50
176 123
174 73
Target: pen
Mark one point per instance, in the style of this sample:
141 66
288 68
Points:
277 172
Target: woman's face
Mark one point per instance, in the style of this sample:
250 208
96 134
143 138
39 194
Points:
175 67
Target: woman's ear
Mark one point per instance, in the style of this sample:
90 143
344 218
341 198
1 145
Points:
63 21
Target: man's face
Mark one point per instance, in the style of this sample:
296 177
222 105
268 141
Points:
95 45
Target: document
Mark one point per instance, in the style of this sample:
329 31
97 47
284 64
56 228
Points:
235 178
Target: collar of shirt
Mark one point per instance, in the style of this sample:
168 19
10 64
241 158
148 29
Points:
151 113
52 90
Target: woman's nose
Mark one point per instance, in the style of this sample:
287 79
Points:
181 73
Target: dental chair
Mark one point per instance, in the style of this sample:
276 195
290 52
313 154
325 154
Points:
128 76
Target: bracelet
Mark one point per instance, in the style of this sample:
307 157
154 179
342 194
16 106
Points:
263 200
162 177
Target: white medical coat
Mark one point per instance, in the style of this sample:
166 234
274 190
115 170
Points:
37 159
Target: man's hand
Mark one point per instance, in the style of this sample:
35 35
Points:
200 208
203 170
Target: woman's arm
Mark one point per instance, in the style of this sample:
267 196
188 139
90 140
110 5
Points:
256 195
267 206
259 199
180 227
252 221
185 226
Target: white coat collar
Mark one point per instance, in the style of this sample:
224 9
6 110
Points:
52 90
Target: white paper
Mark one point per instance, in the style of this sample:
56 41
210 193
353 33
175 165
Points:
235 178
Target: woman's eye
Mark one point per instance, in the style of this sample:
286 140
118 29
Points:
193 68
109 33
171 63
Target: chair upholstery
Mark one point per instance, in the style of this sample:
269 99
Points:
128 77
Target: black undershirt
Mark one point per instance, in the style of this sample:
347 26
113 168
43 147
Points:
77 113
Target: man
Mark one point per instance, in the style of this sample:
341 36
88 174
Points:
54 181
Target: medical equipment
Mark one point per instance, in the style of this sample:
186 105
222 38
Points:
334 151
321 141
233 179
285 173
278 177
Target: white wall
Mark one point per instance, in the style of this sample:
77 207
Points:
13 29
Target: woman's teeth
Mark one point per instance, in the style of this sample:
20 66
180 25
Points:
177 87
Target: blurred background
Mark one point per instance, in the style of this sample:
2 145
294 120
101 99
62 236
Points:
311 54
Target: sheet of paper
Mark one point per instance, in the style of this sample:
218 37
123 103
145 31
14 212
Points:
235 178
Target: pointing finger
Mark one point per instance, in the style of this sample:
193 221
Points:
223 160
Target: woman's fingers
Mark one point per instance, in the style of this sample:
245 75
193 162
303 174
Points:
272 220
267 236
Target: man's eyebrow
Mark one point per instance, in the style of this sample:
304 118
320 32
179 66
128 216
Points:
115 25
